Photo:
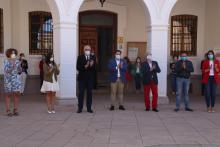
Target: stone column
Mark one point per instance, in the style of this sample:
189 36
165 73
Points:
66 51
158 46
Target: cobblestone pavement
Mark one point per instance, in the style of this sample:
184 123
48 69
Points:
131 128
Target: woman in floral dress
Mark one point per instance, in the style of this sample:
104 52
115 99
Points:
12 81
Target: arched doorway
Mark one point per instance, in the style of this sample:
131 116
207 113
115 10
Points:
99 29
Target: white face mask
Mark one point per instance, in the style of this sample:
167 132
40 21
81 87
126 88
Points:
87 53
22 58
13 56
118 57
51 59
149 57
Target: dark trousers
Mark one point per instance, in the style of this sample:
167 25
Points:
137 79
210 92
154 88
95 80
173 82
88 86
202 88
41 79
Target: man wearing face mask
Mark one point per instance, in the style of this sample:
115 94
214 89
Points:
183 69
117 68
86 64
210 78
149 70
24 67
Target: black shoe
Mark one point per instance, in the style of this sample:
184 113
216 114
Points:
90 111
121 107
147 109
79 111
155 110
176 109
112 108
188 109
15 112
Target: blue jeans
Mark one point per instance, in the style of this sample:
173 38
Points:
210 92
182 92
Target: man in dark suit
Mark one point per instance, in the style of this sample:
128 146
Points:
117 68
85 65
149 70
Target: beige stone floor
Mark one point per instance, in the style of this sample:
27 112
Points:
131 128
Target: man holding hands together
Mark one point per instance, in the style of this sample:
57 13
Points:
85 66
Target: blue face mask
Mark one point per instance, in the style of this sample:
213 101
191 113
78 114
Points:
211 56
183 58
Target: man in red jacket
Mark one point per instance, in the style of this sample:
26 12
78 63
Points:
210 71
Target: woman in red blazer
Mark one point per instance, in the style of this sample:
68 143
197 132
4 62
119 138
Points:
210 77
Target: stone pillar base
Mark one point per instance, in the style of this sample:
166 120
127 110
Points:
67 101
163 100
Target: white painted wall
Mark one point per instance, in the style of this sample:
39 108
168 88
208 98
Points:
20 28
5 5
194 7
212 36
131 27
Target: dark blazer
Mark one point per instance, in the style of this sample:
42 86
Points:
112 64
184 73
85 74
147 74
24 65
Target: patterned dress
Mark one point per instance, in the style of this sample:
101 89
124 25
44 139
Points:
12 80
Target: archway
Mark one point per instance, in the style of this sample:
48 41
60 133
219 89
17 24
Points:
155 31
128 27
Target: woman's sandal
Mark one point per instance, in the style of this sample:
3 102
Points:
9 114
15 112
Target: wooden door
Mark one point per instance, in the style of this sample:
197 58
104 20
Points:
88 36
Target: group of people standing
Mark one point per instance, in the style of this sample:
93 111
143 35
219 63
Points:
181 70
15 74
144 73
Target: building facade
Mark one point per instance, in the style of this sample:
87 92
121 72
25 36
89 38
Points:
166 26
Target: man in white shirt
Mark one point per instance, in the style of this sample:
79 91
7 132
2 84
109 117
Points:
117 68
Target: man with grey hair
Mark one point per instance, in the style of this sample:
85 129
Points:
85 65
149 70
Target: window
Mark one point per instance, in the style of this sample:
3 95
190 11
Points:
1 32
184 34
40 32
